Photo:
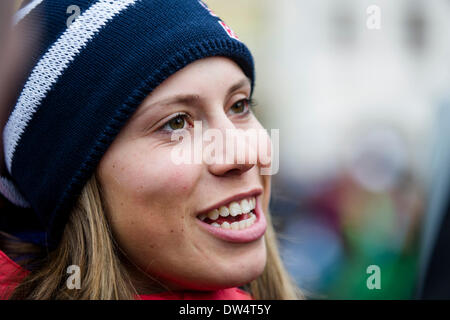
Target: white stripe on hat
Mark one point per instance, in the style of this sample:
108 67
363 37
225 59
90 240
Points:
22 13
46 73
9 190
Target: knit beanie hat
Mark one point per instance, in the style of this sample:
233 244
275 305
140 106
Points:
85 80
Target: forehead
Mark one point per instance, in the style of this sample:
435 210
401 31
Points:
213 74
213 77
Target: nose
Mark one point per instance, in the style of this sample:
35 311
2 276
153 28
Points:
229 169
238 153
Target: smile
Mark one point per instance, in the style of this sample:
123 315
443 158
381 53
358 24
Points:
238 220
235 216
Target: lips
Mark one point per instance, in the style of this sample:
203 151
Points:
239 220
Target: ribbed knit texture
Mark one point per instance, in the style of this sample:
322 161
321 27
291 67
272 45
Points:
109 69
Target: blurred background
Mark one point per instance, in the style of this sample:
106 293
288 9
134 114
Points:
359 109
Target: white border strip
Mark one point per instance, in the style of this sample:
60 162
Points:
22 13
52 65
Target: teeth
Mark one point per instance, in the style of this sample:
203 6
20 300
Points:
215 224
224 212
245 206
237 225
235 209
252 203
214 214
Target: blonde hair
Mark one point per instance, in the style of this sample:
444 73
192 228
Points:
88 242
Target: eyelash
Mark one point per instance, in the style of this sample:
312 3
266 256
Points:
249 104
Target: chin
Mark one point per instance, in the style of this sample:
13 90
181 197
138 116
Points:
244 278
234 273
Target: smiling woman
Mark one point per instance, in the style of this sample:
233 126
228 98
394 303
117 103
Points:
153 204
88 155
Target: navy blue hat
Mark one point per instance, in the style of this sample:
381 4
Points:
86 80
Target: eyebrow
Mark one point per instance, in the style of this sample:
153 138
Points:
189 99
177 99
238 85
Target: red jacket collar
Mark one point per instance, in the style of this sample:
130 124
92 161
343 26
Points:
225 294
11 274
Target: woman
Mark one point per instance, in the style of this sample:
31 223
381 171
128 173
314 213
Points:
89 151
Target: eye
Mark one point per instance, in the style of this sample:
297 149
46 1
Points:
178 122
242 106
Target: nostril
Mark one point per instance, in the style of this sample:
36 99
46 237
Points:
233 172
229 170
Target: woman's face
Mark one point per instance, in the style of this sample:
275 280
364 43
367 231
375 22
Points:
157 207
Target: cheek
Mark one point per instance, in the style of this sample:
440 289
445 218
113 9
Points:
148 200
147 195
150 178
